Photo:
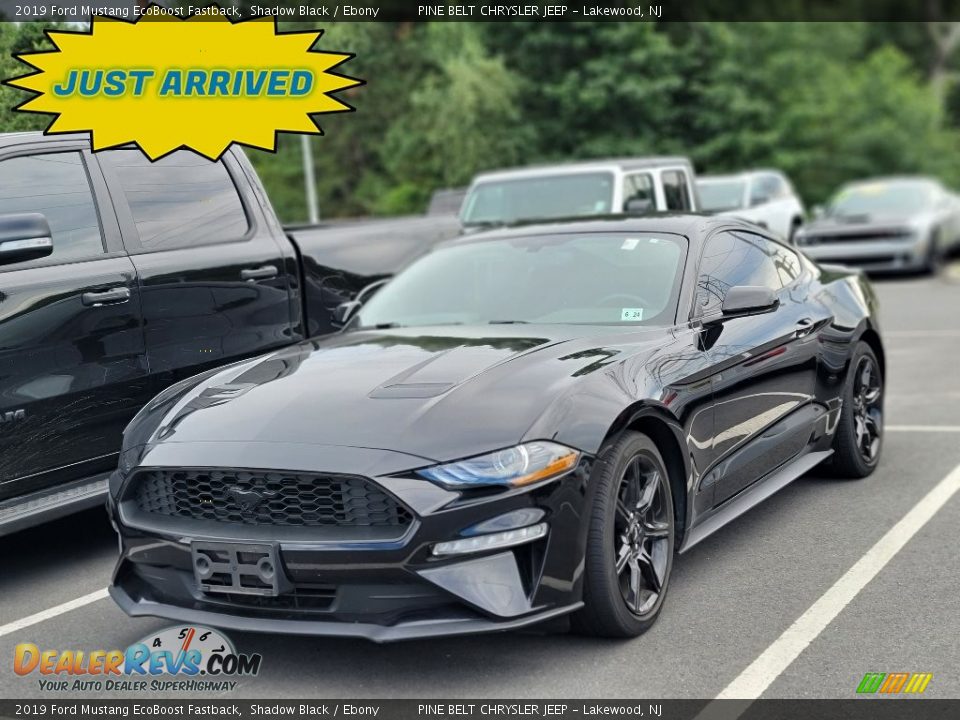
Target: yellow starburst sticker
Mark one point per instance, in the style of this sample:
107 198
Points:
202 83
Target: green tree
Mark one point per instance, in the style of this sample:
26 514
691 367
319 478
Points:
14 39
463 117
350 173
592 89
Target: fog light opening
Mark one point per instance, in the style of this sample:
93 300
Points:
493 541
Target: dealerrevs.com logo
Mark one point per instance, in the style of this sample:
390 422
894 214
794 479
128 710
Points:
181 658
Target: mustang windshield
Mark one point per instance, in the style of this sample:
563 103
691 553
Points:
721 195
593 278
537 198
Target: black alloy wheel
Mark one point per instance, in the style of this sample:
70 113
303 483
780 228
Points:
859 439
867 410
630 539
642 534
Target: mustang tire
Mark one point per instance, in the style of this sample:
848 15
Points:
859 438
630 540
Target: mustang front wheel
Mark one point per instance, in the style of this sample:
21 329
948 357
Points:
630 540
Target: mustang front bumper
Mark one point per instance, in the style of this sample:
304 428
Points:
379 588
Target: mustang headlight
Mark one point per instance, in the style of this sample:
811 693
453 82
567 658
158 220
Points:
513 467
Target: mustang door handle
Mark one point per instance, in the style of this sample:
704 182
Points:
104 297
261 273
805 327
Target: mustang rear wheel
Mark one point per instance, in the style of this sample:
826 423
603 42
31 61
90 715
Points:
859 439
630 540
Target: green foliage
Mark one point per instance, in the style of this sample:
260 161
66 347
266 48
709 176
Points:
463 116
19 39
826 102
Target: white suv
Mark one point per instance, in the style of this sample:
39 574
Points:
763 197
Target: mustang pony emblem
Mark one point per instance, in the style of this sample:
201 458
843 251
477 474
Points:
249 499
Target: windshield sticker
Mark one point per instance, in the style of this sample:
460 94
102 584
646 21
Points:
631 314
630 243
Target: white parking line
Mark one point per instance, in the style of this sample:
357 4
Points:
924 428
760 674
52 612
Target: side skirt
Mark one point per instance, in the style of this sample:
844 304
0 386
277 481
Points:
42 506
754 495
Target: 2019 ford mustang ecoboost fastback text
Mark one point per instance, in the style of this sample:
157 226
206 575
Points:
525 423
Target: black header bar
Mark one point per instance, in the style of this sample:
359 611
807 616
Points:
326 11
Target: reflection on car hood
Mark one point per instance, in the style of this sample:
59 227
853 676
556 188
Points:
430 392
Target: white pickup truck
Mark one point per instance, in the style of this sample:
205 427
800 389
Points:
597 187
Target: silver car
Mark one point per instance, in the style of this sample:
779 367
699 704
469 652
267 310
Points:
884 224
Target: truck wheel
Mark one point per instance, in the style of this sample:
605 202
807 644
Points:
630 540
859 440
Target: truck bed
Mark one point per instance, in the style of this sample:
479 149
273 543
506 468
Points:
339 260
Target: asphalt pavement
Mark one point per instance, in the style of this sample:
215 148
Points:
732 597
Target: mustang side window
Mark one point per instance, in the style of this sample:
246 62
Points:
787 264
731 259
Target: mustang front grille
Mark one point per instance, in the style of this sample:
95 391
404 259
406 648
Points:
252 497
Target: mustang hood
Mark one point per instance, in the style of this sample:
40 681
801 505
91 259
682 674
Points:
452 393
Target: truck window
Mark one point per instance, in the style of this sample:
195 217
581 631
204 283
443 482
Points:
675 190
55 185
179 201
766 188
638 188
539 197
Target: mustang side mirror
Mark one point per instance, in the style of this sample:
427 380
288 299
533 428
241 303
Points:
749 300
24 236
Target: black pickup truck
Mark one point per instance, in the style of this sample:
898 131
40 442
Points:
119 277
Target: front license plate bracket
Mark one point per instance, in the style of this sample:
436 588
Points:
240 568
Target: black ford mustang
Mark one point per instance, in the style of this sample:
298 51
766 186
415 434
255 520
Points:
523 424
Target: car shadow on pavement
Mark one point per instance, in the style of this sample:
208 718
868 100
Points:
501 660
58 544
